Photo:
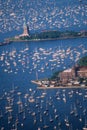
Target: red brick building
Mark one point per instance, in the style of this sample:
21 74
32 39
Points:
73 74
82 72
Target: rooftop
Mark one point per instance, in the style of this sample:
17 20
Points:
68 70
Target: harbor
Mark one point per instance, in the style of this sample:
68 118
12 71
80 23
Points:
49 110
23 103
43 84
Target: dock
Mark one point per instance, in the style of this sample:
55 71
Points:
43 86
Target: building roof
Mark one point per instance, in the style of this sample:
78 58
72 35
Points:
68 70
83 68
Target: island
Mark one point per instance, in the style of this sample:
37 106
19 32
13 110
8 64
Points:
75 77
46 35
49 35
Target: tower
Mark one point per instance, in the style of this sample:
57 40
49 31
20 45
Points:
25 29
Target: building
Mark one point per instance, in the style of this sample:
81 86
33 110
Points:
66 75
82 72
73 74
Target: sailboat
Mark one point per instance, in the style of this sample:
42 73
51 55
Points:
80 118
51 120
35 120
40 117
72 110
45 125
24 116
39 128
85 126
1 115
66 121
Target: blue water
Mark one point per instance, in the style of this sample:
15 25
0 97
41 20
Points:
42 15
19 63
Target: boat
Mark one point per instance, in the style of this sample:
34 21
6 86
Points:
35 120
1 115
4 43
51 120
24 116
41 118
80 118
31 99
39 128
85 126
67 121
45 126
72 110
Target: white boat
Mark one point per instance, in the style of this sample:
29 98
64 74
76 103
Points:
45 126
51 120
67 121
85 126
31 99
39 128
40 117
72 110
35 120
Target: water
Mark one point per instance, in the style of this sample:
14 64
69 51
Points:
42 15
19 63
22 105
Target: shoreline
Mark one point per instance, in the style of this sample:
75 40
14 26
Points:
63 87
48 39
